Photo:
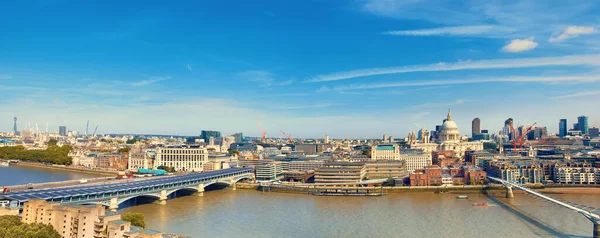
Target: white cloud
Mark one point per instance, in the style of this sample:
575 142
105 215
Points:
150 80
443 104
264 78
523 79
189 67
579 94
518 45
454 31
573 32
306 106
464 65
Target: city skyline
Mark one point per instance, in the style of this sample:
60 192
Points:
352 69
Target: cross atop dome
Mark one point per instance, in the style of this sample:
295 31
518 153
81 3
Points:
449 118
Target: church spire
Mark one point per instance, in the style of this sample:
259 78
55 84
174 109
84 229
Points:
449 118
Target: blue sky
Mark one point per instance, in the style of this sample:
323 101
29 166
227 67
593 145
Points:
341 68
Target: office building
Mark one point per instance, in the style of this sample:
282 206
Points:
385 152
305 165
415 159
385 138
62 130
340 172
594 133
313 149
582 124
562 128
139 160
269 171
15 127
238 137
385 169
181 158
537 133
326 140
476 126
206 135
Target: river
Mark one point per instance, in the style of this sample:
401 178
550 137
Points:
19 174
250 213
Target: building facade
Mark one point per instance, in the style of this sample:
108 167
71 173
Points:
340 172
206 135
562 128
139 160
385 152
79 221
181 158
476 126
582 124
415 159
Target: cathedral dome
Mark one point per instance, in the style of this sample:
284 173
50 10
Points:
449 131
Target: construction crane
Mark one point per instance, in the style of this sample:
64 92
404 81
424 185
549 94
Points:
520 136
262 131
286 135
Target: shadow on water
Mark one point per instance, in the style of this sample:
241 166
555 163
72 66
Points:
523 215
137 201
179 193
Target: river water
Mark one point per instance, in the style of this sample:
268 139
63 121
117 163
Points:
250 213
18 174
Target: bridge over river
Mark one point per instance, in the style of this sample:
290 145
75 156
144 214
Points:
590 213
111 195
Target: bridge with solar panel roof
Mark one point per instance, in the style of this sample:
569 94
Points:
112 195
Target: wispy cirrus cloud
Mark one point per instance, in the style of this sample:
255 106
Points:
476 30
518 45
319 105
579 94
443 104
523 79
573 32
189 67
592 60
150 80
263 78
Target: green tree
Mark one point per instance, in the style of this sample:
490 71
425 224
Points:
366 152
12 227
136 219
124 150
234 152
52 142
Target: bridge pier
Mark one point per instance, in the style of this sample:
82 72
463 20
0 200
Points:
233 187
163 197
200 190
509 192
596 230
113 205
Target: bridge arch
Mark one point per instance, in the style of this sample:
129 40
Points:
151 196
193 189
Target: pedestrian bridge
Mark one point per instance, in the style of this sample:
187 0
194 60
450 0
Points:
111 195
590 213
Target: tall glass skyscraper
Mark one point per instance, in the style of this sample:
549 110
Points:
562 128
582 124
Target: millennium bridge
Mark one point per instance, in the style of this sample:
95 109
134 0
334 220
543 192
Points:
112 195
589 212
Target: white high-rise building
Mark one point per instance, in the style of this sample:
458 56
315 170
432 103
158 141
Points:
326 140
